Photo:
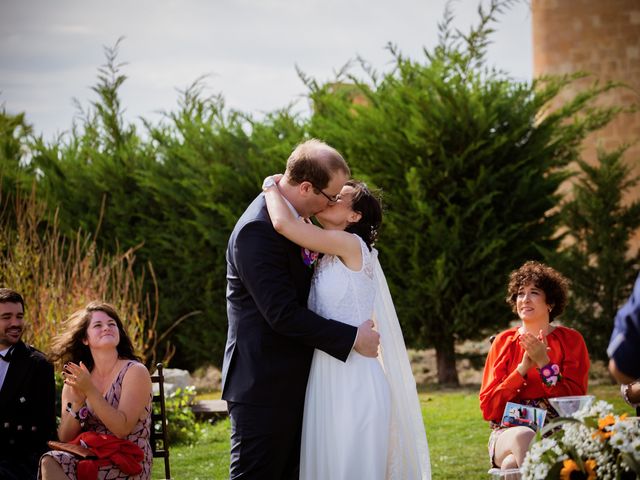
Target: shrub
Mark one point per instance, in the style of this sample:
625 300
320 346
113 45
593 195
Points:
181 421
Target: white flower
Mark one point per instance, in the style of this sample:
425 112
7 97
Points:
626 437
602 442
533 467
598 409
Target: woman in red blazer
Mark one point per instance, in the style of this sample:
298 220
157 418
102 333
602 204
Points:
532 362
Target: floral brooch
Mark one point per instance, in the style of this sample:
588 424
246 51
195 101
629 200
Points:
309 257
81 415
550 374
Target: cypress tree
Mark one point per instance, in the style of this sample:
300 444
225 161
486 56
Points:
597 258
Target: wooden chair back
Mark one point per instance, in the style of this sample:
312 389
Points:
159 434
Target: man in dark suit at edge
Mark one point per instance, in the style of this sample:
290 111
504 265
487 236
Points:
272 334
27 395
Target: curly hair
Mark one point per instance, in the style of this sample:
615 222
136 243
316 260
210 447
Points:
554 285
68 346
369 206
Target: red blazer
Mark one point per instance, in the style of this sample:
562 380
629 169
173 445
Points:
110 450
501 382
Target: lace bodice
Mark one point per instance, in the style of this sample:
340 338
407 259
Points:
343 294
347 397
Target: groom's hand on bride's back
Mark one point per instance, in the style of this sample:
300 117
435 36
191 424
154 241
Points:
367 340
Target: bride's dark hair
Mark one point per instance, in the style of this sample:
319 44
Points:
369 206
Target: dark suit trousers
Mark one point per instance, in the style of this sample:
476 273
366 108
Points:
265 442
18 470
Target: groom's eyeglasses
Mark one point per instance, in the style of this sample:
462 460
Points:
333 199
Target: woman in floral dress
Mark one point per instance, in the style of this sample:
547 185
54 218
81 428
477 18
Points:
106 390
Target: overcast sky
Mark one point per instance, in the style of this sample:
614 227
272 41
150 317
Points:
50 50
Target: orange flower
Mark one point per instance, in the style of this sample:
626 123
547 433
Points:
568 467
601 435
606 421
603 431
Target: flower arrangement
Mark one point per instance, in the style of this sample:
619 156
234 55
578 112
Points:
591 444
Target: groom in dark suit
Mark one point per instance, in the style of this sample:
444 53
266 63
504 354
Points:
272 334
27 395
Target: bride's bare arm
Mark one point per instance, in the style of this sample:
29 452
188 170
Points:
308 235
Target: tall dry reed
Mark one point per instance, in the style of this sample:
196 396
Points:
57 275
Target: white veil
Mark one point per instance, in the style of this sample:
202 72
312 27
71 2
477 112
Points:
408 448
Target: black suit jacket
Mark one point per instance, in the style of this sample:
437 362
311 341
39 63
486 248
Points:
272 334
27 406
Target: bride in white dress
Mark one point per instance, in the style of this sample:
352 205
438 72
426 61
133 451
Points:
362 418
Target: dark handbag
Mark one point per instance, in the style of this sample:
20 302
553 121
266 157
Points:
76 450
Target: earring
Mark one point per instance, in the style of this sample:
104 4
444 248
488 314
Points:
550 308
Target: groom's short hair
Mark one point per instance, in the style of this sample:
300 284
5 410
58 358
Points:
314 161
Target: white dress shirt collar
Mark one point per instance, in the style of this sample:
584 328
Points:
4 366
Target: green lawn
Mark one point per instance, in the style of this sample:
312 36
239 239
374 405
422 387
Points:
456 432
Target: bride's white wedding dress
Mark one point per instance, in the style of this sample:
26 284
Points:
362 418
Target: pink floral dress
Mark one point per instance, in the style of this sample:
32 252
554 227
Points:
139 436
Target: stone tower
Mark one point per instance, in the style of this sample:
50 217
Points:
602 38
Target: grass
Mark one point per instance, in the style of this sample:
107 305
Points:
456 432
206 460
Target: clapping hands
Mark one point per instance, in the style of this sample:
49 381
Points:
78 379
535 351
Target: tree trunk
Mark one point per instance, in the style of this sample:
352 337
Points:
446 361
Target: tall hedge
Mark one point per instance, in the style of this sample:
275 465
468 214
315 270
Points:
174 189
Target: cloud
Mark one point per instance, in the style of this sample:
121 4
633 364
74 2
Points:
74 30
50 51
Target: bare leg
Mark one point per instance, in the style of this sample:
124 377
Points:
511 447
51 470
508 463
